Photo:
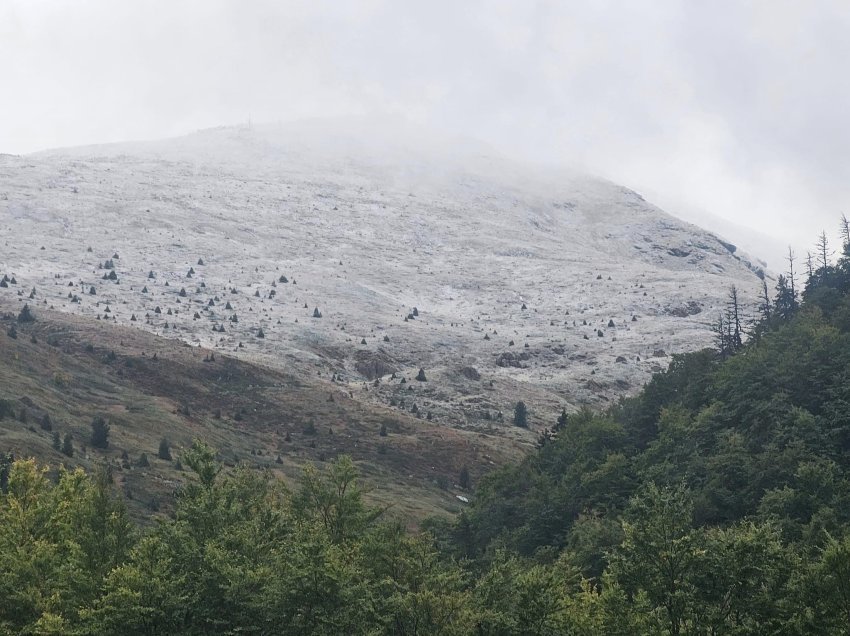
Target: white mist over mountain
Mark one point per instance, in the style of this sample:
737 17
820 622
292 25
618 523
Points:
560 284
734 108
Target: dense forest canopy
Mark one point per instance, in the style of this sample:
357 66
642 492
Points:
714 502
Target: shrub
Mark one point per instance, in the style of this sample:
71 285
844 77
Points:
463 478
99 433
68 445
521 415
164 449
26 315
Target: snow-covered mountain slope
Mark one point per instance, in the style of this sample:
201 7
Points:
500 280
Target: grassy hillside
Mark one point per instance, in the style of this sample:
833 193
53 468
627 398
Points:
717 501
714 502
147 388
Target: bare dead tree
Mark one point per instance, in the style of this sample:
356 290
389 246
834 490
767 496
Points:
733 320
823 251
791 277
765 306
721 338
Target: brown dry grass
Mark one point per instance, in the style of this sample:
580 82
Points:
149 385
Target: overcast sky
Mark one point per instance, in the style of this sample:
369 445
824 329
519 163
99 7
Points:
735 108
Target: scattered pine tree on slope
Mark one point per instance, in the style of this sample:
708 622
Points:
715 502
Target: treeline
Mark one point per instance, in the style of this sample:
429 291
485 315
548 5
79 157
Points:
242 554
717 501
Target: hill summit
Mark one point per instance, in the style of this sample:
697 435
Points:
365 254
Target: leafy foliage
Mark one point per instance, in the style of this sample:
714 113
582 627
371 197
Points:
709 502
